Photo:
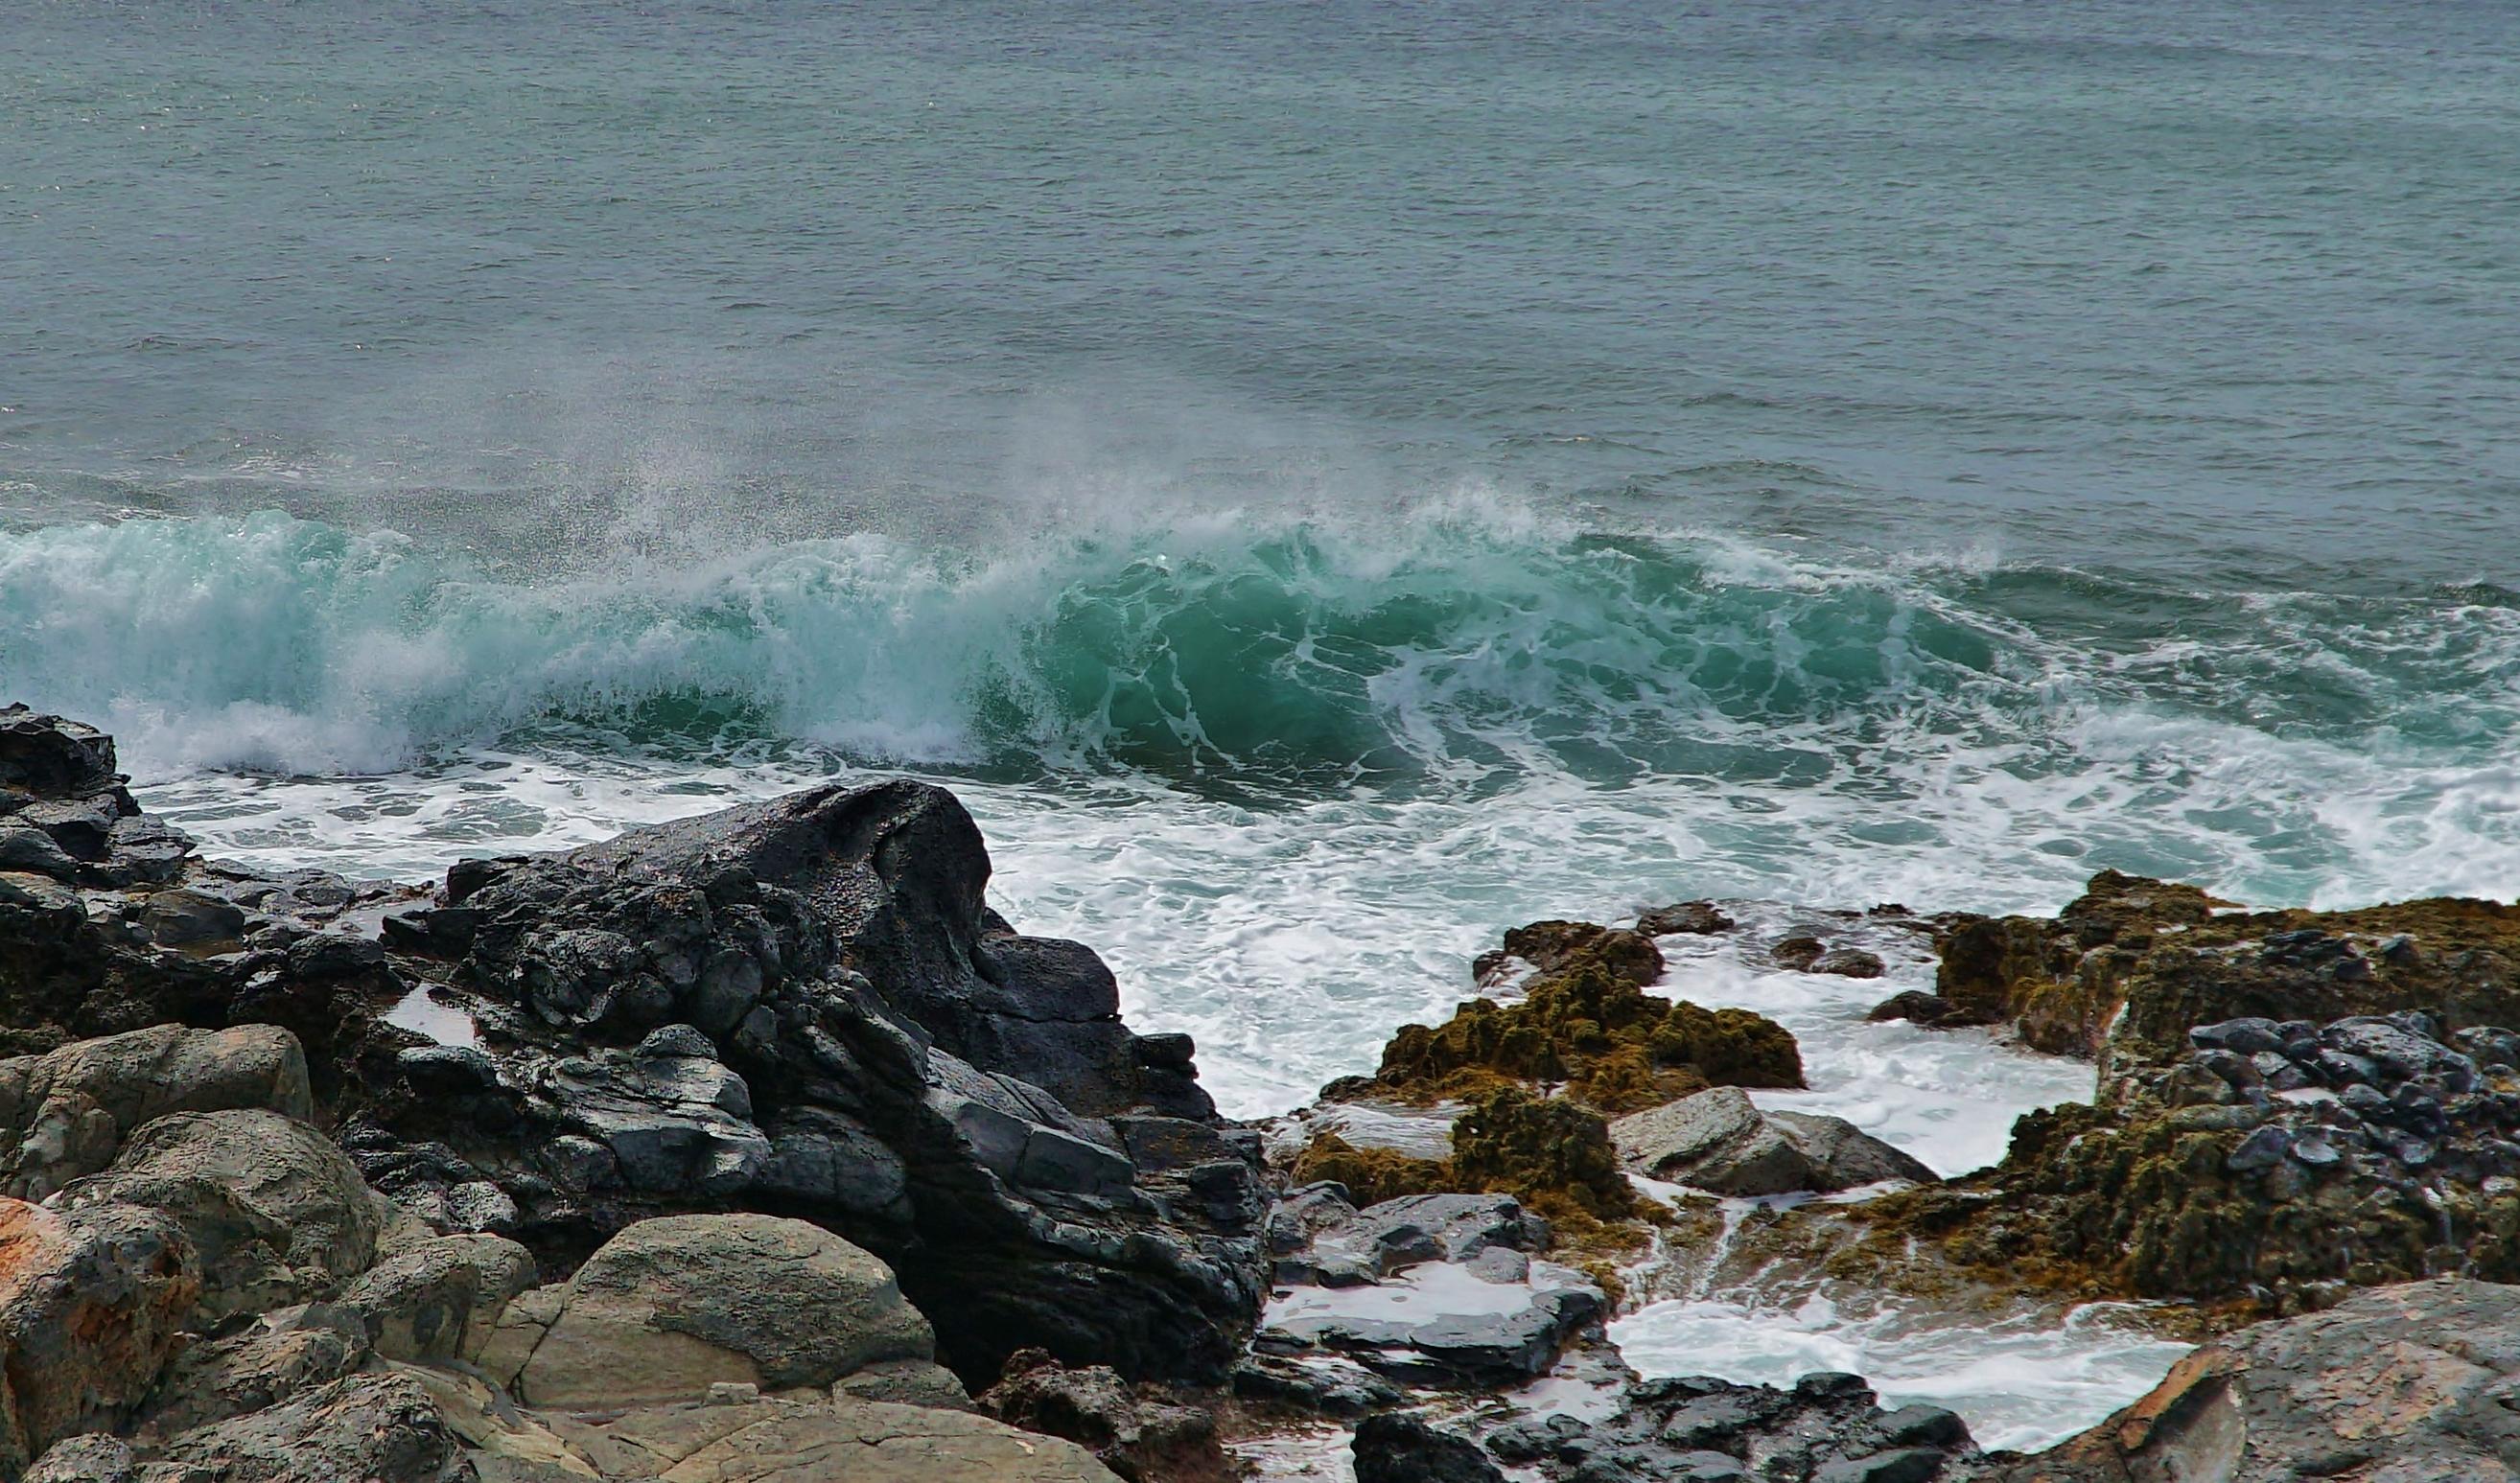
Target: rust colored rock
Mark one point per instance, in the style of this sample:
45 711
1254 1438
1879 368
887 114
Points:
92 1302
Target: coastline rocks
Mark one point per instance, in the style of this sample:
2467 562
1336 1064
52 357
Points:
1916 1006
1696 919
803 1007
64 1114
379 1428
1320 1238
1403 1449
92 1305
1583 1020
2171 957
248 1369
1718 1141
862 1441
1544 949
275 1212
1828 1428
2355 1153
1134 1433
2408 1383
1438 1289
671 1307
435 1300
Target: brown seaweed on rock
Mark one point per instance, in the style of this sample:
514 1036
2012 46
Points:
1586 1023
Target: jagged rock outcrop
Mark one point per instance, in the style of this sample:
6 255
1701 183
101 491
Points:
2170 956
1435 1289
801 1008
2278 1164
1581 1018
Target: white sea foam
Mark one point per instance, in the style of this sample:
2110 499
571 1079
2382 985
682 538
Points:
2022 1383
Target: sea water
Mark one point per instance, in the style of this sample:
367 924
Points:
1324 483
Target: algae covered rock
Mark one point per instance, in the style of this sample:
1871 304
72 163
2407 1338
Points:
1585 1021
1551 1153
2171 957
1370 1175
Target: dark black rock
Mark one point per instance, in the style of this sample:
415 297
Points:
1702 919
2246 1037
1396 1448
1849 963
1918 1007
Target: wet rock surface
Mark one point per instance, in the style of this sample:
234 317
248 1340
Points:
1720 1142
1137 1432
2279 1162
2406 1385
1828 1428
703 1153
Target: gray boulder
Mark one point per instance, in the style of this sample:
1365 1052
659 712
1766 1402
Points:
438 1299
1341 1247
1719 1141
277 1214
771 1441
673 1306
64 1114
261 1364
2410 1384
373 1427
96 1457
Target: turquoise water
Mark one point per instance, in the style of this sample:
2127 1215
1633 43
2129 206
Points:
1324 481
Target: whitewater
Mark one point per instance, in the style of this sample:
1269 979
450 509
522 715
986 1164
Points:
1288 777
1322 485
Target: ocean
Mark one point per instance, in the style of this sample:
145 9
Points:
1323 482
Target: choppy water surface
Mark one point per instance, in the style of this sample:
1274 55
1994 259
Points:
1323 482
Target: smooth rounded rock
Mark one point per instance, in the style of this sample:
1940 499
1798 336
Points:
670 1307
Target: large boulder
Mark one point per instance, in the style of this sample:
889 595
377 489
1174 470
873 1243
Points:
2406 1385
277 1214
1719 1141
673 1306
802 1008
64 1113
92 1303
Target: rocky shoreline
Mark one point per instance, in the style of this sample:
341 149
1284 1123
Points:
757 1147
